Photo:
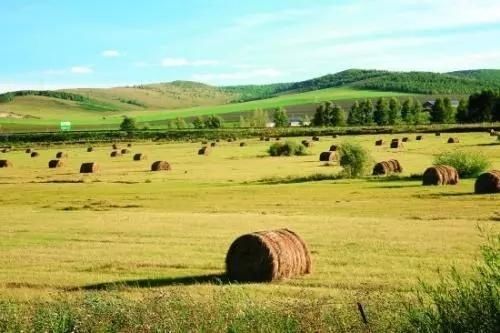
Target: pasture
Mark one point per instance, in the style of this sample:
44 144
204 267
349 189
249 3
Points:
130 229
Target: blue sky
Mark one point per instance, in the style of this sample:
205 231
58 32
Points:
55 43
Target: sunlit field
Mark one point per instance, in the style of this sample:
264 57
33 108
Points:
130 229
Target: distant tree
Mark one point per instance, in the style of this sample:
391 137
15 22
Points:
337 116
394 111
438 112
244 122
180 123
355 118
366 112
462 112
213 122
417 116
259 118
482 105
320 117
280 118
7 97
449 111
198 123
128 124
381 113
406 110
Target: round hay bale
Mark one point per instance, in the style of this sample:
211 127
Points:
488 182
395 144
381 169
440 175
213 144
140 157
243 144
262 138
438 134
328 156
204 151
89 167
334 148
267 139
334 136
307 144
129 145
278 138
315 138
115 146
453 140
6 164
419 138
61 155
379 142
125 151
90 149
395 166
204 142
267 256
229 140
55 164
115 154
28 151
34 154
405 139
5 150
218 140
161 166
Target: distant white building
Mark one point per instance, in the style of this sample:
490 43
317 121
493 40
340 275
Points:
271 124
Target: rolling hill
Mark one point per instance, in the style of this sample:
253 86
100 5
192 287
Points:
154 103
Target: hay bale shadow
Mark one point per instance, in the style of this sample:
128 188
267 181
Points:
216 279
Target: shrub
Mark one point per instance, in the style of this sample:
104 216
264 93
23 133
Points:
461 304
354 159
468 164
288 148
128 124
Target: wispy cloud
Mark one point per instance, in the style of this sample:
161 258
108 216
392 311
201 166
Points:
180 62
81 70
111 53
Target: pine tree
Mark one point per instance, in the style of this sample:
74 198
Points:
406 110
438 112
381 113
280 118
320 117
337 116
394 111
449 111
462 112
354 117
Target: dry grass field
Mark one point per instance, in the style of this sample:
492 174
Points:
370 239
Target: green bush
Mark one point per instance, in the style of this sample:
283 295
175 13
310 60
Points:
288 148
468 164
354 159
461 304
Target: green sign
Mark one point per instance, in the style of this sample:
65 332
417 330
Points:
65 126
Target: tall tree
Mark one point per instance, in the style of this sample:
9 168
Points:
438 112
280 118
320 117
381 113
213 122
354 117
128 124
462 112
367 112
406 110
259 118
482 105
449 111
394 111
337 116
198 123
180 123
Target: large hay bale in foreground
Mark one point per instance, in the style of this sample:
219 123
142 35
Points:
61 155
204 151
488 182
115 154
89 167
35 154
268 255
453 140
379 142
161 166
6 164
55 164
140 157
387 167
328 156
440 175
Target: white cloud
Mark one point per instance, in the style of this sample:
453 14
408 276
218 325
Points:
180 62
110 53
261 75
81 70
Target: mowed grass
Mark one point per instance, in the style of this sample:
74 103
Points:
50 112
369 238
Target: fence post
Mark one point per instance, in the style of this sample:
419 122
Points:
363 316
